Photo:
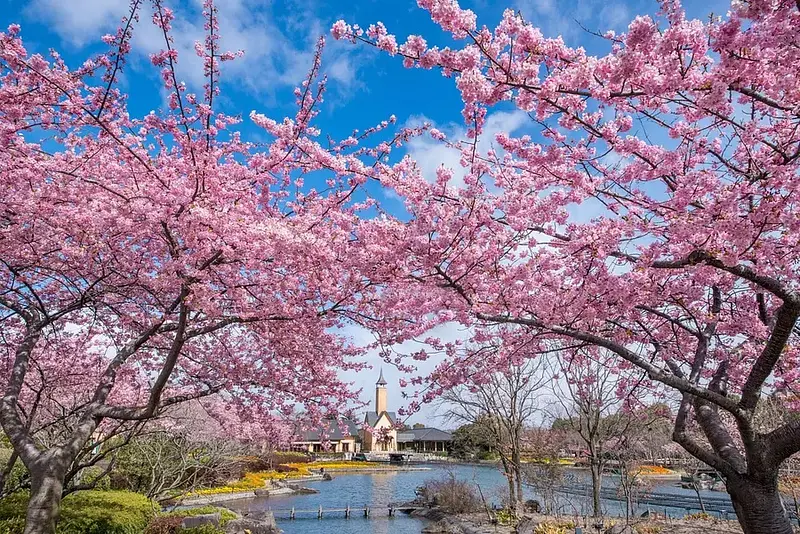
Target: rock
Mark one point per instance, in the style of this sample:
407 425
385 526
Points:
532 506
442 527
200 520
304 491
459 524
431 514
650 514
526 526
327 477
262 524
262 492
620 529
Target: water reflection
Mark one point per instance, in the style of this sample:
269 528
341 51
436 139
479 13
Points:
380 489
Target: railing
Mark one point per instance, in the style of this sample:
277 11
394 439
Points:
346 512
656 500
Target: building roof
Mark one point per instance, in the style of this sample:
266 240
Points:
373 417
333 433
423 434
381 381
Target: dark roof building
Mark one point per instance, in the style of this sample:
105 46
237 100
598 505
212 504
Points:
377 432
333 433
423 440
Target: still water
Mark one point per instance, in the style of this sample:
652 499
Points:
379 489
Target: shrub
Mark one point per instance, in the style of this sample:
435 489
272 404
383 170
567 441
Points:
17 477
290 458
170 523
205 529
92 474
12 525
164 524
452 495
648 529
282 468
334 465
253 463
86 512
554 527
109 512
506 517
225 515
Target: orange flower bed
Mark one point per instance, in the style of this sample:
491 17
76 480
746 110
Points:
655 470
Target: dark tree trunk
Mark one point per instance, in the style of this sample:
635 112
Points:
517 461
47 483
597 482
758 505
507 469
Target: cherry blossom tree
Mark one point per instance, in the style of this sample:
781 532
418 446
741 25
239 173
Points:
650 210
162 259
589 402
506 404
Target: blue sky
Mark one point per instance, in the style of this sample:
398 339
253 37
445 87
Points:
278 37
365 87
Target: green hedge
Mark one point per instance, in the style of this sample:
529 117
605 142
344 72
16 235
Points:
225 515
169 523
86 512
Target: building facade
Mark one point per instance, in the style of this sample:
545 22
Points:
376 433
423 439
334 439
379 434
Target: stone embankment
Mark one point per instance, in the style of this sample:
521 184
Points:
258 523
276 488
441 522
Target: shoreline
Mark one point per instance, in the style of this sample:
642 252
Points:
441 522
288 489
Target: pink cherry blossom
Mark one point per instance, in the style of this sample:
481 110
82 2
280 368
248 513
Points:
649 212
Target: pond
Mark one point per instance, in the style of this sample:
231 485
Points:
379 489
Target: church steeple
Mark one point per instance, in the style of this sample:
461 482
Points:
380 395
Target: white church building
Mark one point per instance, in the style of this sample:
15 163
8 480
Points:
377 432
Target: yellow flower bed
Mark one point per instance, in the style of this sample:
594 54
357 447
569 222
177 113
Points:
251 481
314 466
700 516
559 461
257 480
554 527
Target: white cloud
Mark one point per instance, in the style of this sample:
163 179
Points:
78 21
565 18
430 154
277 53
342 70
614 16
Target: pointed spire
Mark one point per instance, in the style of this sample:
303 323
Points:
381 381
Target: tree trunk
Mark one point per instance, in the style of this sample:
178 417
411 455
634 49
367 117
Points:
507 469
47 483
517 461
758 505
597 481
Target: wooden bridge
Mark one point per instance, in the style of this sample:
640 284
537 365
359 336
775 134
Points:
346 512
